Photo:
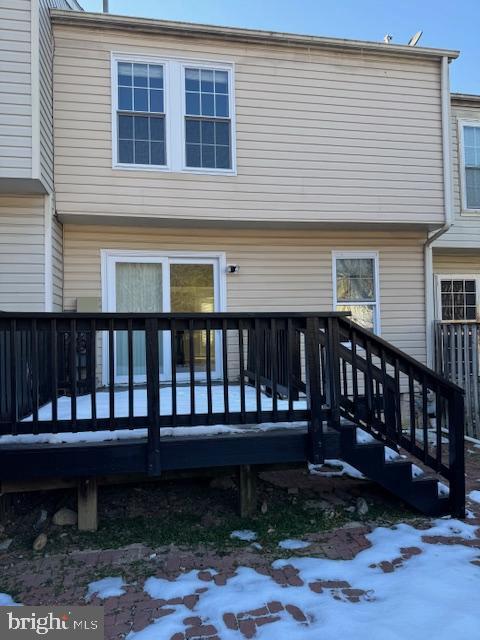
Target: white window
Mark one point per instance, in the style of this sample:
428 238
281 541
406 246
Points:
207 119
356 287
172 115
140 114
470 163
457 298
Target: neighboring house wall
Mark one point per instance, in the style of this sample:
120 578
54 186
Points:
465 232
457 262
15 90
22 253
332 136
279 270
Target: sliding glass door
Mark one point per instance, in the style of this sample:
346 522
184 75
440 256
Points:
156 284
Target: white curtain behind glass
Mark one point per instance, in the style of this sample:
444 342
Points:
138 289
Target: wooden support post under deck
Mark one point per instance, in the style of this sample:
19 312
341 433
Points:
87 504
247 487
5 506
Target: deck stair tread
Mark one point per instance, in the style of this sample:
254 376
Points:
373 458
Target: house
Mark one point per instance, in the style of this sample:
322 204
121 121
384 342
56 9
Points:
456 261
283 179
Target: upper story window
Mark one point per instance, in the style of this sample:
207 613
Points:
207 118
172 115
355 287
471 166
141 114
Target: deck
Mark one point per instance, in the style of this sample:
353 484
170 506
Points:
219 390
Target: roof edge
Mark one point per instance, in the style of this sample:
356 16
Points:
465 97
253 36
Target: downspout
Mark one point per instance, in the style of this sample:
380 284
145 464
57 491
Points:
448 207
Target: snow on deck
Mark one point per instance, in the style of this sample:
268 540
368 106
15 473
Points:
84 403
84 412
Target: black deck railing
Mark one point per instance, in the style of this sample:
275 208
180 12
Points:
74 372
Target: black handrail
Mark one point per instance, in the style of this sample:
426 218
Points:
375 375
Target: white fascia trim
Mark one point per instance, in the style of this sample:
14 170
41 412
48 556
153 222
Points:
374 255
35 85
462 123
174 100
48 251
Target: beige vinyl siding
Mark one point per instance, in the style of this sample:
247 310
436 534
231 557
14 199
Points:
456 262
279 270
321 136
57 265
465 232
15 90
22 254
46 97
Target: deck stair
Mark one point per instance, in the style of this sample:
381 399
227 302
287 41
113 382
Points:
391 470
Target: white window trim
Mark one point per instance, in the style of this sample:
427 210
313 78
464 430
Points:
352 255
174 105
438 294
462 123
109 258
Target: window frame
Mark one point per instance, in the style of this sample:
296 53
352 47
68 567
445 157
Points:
462 123
231 118
439 277
175 112
373 255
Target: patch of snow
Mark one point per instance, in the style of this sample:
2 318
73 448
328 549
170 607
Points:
474 496
293 544
84 403
416 471
7 601
469 514
84 411
244 534
394 604
391 454
363 437
442 489
127 434
257 546
341 469
184 585
105 588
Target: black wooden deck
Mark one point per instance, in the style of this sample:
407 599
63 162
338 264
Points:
21 461
340 370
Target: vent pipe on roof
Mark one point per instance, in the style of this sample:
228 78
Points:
105 6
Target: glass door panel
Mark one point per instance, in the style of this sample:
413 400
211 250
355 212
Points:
192 290
138 289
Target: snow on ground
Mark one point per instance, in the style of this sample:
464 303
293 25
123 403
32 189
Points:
293 544
340 468
474 496
414 601
7 601
244 534
105 588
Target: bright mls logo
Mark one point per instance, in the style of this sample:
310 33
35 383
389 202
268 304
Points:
55 623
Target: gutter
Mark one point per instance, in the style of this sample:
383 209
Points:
449 213
234 34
